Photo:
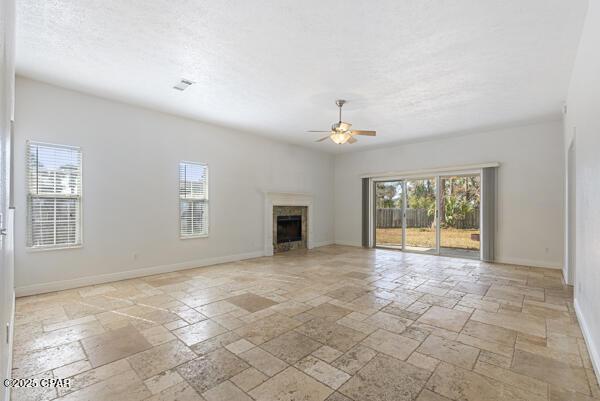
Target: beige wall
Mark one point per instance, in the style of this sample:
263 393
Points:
530 185
130 187
582 123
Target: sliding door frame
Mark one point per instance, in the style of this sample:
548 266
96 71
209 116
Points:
404 200
373 221
436 249
437 176
438 204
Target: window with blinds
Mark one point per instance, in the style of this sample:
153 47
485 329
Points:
193 200
53 195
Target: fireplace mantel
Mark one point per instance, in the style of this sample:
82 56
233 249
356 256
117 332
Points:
286 199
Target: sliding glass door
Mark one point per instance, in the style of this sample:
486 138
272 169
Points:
420 215
389 201
459 215
412 227
436 215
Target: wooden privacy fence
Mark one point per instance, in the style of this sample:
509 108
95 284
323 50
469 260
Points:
392 218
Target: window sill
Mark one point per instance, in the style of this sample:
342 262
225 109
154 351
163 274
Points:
53 248
194 236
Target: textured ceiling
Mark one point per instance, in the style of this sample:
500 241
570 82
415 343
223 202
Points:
410 68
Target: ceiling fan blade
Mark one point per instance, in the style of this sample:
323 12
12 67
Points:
322 139
362 132
352 140
344 126
318 131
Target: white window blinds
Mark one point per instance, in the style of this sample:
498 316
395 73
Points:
193 200
54 195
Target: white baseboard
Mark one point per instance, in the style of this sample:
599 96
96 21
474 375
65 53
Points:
348 243
6 392
509 261
35 289
589 340
322 243
565 278
128 274
528 262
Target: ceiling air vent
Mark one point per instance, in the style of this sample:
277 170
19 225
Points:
183 84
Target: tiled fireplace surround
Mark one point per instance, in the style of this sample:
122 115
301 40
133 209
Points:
290 211
287 204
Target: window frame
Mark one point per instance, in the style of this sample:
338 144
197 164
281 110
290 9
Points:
206 200
28 196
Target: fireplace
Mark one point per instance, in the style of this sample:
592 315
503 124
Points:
289 228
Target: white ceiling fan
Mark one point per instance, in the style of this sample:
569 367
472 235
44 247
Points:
340 132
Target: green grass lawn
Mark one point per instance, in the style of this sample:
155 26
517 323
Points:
425 237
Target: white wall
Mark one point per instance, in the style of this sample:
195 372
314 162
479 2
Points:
7 296
530 185
583 116
130 186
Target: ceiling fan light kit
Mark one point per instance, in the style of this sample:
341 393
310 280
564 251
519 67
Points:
340 132
340 137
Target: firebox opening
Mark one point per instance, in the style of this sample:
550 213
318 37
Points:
289 229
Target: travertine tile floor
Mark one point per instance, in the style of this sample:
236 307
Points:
336 324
